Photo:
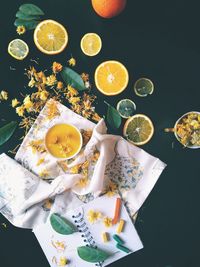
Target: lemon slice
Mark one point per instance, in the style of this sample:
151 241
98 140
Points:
111 77
138 129
50 37
143 87
18 49
91 44
126 108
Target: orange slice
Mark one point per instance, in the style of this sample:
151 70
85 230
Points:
50 37
111 77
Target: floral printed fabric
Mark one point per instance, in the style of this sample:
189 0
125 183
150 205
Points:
107 164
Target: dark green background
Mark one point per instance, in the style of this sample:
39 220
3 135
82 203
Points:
156 39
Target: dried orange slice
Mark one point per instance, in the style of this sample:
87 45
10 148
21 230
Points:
50 37
138 129
111 77
91 44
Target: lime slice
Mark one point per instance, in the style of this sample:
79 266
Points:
138 129
91 44
143 87
18 49
126 108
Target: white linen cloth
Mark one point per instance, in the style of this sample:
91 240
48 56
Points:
26 198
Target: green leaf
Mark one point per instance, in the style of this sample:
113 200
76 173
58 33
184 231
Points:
28 24
21 15
72 78
112 117
7 131
61 225
91 254
30 9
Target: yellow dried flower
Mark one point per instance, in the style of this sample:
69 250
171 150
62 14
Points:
93 216
32 82
74 100
4 95
59 85
37 146
43 95
15 102
52 110
111 189
77 108
47 204
86 134
83 182
75 169
51 80
21 30
71 91
20 111
27 102
43 173
96 155
86 113
107 222
60 246
40 161
96 117
62 261
56 67
72 61
85 77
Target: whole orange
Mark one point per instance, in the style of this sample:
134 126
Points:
108 8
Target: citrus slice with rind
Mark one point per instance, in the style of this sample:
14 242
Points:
143 87
138 129
50 37
91 44
111 77
18 49
126 108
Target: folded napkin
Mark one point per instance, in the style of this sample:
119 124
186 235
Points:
106 164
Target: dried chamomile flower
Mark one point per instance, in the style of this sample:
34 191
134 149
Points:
21 30
15 102
93 216
72 61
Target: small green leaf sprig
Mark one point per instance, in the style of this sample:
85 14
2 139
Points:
28 15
